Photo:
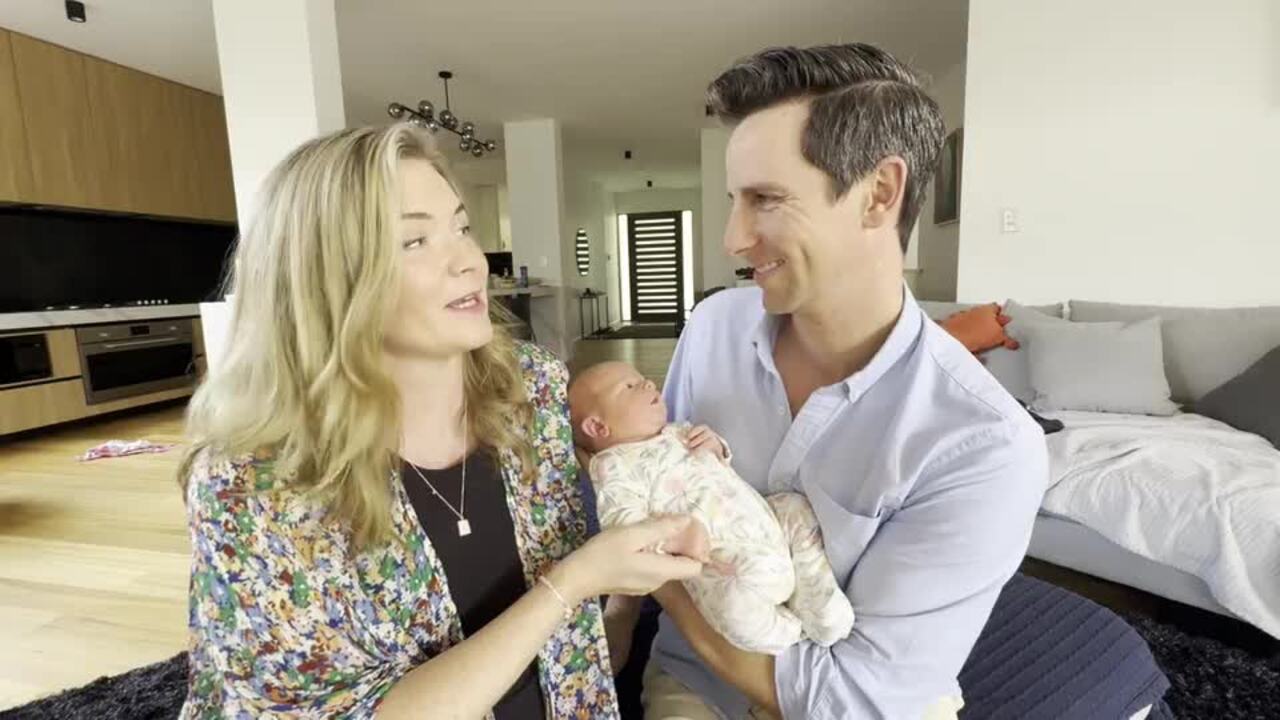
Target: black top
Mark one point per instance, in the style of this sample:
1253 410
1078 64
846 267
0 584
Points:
484 570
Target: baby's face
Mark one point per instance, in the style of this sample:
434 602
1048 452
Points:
628 405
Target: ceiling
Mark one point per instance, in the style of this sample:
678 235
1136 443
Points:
618 75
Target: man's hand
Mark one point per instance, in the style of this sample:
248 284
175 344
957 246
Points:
703 439
621 612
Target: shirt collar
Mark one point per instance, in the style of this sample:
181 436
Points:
902 337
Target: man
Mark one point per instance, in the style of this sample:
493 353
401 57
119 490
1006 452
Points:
828 380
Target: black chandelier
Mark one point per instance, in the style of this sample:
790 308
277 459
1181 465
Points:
425 116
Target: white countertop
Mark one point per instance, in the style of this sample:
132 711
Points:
67 318
532 291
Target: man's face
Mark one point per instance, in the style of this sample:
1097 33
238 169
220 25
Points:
783 222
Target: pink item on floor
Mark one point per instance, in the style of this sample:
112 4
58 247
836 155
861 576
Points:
120 448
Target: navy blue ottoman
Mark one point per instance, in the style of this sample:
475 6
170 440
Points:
1045 654
1049 653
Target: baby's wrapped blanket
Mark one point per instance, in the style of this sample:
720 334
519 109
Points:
768 582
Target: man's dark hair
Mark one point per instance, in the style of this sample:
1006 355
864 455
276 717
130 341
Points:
865 107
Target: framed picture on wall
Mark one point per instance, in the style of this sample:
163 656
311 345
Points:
946 183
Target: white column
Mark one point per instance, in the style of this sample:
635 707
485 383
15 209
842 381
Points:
281 82
717 266
539 236
281 85
535 196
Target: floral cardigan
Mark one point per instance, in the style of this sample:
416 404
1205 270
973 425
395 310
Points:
286 622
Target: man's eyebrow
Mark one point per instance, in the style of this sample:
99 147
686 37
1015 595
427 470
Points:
759 188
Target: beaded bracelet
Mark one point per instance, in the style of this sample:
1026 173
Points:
568 609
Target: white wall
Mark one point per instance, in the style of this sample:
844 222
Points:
281 84
660 200
535 196
482 211
937 249
584 208
717 266
613 281
504 216
1138 143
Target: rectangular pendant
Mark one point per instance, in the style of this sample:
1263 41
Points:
464 528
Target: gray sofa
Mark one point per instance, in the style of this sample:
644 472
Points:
1203 348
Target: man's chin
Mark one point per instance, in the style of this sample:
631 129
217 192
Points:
778 302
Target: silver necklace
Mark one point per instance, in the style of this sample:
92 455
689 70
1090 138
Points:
464 527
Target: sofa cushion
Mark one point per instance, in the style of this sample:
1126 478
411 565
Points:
1203 347
938 310
1010 366
1250 401
1099 367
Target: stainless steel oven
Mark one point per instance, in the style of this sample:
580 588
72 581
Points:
24 358
131 359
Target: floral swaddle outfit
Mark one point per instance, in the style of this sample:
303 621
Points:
768 583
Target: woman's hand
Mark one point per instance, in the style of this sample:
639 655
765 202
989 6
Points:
620 561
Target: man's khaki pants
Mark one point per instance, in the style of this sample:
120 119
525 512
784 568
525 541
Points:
666 698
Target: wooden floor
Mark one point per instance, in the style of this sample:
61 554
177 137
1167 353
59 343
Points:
93 557
651 357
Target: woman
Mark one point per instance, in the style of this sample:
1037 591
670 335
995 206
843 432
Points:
381 487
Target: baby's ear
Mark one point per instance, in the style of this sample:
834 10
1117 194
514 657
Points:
595 428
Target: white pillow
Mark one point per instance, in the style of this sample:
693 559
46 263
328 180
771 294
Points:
1010 366
1099 367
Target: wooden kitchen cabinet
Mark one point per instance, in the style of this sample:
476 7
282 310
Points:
65 147
15 166
212 168
105 137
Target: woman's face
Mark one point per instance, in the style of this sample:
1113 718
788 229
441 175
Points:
442 309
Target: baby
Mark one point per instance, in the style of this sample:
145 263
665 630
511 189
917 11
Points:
768 581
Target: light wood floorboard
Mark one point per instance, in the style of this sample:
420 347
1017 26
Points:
93 556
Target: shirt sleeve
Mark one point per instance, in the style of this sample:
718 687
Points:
924 587
269 634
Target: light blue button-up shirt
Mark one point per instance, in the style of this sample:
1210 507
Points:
925 476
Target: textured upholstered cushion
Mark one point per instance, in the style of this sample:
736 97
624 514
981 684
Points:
1099 367
1010 366
1203 347
939 310
1250 401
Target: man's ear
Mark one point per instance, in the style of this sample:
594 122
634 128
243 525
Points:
886 185
595 428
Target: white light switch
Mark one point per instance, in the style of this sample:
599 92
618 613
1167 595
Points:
542 261
1008 220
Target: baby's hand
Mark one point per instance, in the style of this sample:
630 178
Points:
702 438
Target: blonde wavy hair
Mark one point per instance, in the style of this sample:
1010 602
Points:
314 280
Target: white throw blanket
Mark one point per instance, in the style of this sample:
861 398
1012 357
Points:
1185 491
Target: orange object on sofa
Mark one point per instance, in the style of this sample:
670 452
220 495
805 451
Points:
980 328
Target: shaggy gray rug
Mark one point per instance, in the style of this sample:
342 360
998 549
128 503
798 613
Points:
1208 680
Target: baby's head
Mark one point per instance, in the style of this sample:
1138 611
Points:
612 403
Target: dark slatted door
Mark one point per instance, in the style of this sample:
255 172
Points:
656 272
